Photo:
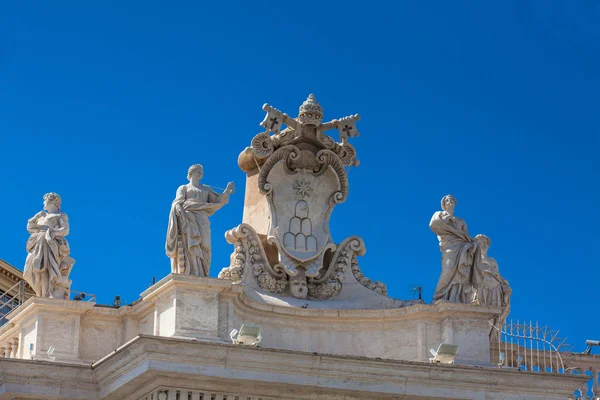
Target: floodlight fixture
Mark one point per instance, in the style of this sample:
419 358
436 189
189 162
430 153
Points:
520 363
445 354
50 353
590 344
501 360
248 335
79 297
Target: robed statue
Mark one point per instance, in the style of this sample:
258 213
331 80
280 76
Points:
48 263
188 234
458 254
493 289
468 274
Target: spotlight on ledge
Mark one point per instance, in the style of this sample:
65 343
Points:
445 354
590 344
248 335
50 353
502 360
79 297
520 363
117 301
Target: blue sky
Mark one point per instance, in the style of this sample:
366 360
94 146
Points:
108 103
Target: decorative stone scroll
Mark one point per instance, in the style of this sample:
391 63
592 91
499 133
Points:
301 172
249 260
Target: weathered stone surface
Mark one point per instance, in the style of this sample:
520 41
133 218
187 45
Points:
48 263
188 234
468 274
295 177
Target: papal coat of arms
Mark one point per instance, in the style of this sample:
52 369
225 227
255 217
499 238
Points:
301 171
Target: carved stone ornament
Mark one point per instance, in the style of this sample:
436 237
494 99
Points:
301 172
249 262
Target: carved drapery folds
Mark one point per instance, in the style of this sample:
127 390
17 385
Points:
301 172
468 274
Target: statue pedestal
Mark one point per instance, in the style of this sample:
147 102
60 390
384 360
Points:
42 323
186 306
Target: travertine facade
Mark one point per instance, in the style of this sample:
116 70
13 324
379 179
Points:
176 338
328 332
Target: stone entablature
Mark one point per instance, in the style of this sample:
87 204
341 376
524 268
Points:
208 309
149 365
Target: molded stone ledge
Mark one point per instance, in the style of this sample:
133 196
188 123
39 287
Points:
147 363
42 380
208 309
205 308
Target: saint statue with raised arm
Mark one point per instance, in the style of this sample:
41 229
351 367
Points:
188 234
48 263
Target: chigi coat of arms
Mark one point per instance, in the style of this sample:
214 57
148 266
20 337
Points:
302 173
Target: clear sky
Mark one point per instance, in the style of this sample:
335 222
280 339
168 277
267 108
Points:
108 103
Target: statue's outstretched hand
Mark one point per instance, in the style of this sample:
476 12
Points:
230 188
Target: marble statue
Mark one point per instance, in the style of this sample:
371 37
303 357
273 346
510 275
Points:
492 290
48 263
188 234
458 252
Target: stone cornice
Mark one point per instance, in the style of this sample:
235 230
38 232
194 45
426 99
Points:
11 271
345 318
14 275
245 368
166 285
47 380
50 305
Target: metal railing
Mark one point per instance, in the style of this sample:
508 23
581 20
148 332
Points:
529 347
526 346
11 299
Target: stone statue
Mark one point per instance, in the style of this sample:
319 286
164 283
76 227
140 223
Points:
458 250
48 264
492 290
188 234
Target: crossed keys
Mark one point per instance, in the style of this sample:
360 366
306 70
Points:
274 119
